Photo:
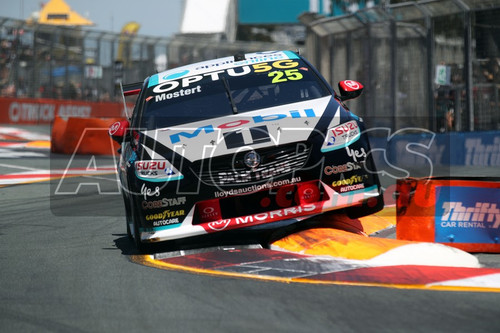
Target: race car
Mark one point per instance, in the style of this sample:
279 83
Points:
256 140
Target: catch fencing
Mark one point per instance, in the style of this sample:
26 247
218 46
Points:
77 63
432 64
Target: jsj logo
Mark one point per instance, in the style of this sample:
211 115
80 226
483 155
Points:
461 216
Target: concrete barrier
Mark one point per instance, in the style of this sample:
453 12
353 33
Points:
458 212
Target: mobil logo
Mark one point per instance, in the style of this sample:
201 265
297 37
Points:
235 123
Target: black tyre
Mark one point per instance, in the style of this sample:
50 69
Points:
371 206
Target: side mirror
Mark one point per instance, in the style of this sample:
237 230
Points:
118 131
349 89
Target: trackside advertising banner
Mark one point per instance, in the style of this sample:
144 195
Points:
439 149
29 111
462 212
467 214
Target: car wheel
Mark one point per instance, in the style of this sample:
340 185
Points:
371 206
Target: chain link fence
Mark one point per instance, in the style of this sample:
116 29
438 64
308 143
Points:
430 64
42 61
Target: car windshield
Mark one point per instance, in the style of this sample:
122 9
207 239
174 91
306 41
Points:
225 92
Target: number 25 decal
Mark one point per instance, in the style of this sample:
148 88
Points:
289 74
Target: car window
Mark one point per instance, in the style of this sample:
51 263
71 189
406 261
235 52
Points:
220 93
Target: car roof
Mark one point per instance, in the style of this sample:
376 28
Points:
219 64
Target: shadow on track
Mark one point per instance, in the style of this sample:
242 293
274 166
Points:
261 235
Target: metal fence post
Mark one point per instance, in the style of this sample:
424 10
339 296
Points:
35 76
394 72
468 68
368 69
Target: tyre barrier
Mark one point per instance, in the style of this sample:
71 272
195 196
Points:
460 212
83 136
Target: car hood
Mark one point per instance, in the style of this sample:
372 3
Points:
246 131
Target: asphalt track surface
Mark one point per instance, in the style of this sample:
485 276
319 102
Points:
65 266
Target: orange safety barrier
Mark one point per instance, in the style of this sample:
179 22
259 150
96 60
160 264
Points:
83 136
458 212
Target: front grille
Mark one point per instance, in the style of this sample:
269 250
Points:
231 169
263 201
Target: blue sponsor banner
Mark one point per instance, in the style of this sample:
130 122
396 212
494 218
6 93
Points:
467 215
481 149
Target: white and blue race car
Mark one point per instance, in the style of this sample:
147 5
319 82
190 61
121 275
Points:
254 140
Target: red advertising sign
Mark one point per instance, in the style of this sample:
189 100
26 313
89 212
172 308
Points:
43 111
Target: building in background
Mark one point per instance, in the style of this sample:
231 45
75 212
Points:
209 19
259 20
58 12
430 63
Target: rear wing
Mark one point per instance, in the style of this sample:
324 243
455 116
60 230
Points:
132 88
128 90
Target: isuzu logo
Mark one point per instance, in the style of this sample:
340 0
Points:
252 159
